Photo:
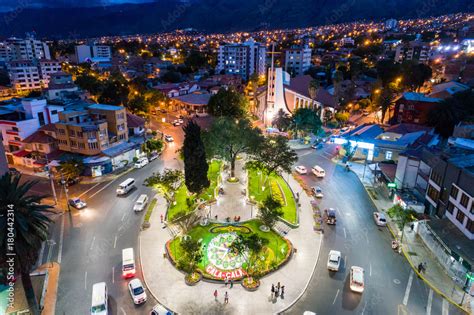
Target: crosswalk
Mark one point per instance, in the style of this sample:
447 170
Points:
281 228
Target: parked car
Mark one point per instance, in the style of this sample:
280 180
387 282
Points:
77 203
330 216
365 113
153 156
301 169
137 291
357 279
380 219
141 162
181 121
70 181
334 260
176 123
160 310
169 138
317 192
317 146
141 203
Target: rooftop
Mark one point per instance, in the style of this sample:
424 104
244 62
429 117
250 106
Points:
39 137
201 99
134 121
105 107
420 97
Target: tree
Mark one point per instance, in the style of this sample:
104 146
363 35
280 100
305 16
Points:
282 120
71 168
387 71
307 120
195 163
401 216
195 60
313 88
384 101
114 93
249 247
228 103
227 138
137 105
29 226
337 79
187 222
192 254
415 74
272 155
172 77
342 117
152 145
269 211
89 83
4 77
167 181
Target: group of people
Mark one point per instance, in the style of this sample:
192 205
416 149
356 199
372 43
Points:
278 290
421 267
226 296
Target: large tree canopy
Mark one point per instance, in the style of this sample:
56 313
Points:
228 137
228 103
195 163
306 119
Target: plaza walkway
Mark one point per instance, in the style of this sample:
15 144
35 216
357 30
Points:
167 284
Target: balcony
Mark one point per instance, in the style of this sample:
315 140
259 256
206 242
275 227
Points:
92 140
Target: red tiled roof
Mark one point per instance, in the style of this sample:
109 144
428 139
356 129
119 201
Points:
48 127
39 137
405 128
300 85
134 121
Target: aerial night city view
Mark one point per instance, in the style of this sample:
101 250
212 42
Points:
253 157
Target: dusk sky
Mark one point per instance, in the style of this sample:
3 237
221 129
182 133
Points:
9 5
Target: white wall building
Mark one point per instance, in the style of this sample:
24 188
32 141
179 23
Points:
87 52
23 49
27 75
297 60
242 59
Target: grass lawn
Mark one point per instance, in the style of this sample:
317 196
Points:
276 252
255 190
181 194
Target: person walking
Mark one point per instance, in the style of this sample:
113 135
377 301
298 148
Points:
278 286
226 281
226 298
273 290
231 283
161 216
282 291
215 295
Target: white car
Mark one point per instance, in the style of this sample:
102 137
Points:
334 260
77 203
317 192
141 162
137 291
169 138
357 279
380 219
176 123
301 169
160 310
181 121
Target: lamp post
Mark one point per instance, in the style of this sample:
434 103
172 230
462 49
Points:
63 183
251 206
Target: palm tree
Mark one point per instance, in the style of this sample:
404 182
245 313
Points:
384 101
443 117
313 88
282 120
29 227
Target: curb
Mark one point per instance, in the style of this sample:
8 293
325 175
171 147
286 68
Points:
410 262
308 282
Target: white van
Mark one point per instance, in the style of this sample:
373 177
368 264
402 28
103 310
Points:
99 299
128 263
126 186
141 203
318 171
141 162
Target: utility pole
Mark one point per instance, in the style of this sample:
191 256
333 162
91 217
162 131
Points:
51 180
63 182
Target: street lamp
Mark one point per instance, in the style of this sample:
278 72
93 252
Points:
251 206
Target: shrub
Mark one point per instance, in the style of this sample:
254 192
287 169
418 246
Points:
276 192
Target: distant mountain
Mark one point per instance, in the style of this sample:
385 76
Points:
213 15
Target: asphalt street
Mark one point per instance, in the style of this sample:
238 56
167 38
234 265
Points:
391 287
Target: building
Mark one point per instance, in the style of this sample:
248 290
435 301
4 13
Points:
61 86
347 41
296 60
447 89
23 49
414 108
289 94
3 159
86 53
391 24
193 103
28 75
242 59
413 51
91 130
176 89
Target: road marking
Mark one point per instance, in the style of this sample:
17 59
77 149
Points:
92 243
365 306
123 216
61 237
370 270
85 281
407 291
113 274
345 235
123 311
115 241
345 261
430 302
100 190
89 190
445 308
337 293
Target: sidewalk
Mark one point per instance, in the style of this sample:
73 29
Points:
167 284
414 248
53 270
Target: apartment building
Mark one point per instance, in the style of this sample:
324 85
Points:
296 60
91 130
3 159
413 51
23 49
28 75
242 59
86 53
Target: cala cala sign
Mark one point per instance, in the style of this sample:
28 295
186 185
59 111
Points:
218 274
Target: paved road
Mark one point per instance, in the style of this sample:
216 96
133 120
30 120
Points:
88 243
391 286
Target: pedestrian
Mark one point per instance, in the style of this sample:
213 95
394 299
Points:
231 283
424 266
282 291
273 290
215 295
420 267
226 281
412 226
226 298
278 286
161 216
215 217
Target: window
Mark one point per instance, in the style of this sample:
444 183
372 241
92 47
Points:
61 132
15 129
73 143
82 146
464 200
388 155
72 133
54 112
470 226
437 178
40 147
454 192
79 134
41 119
432 193
17 139
460 216
450 207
